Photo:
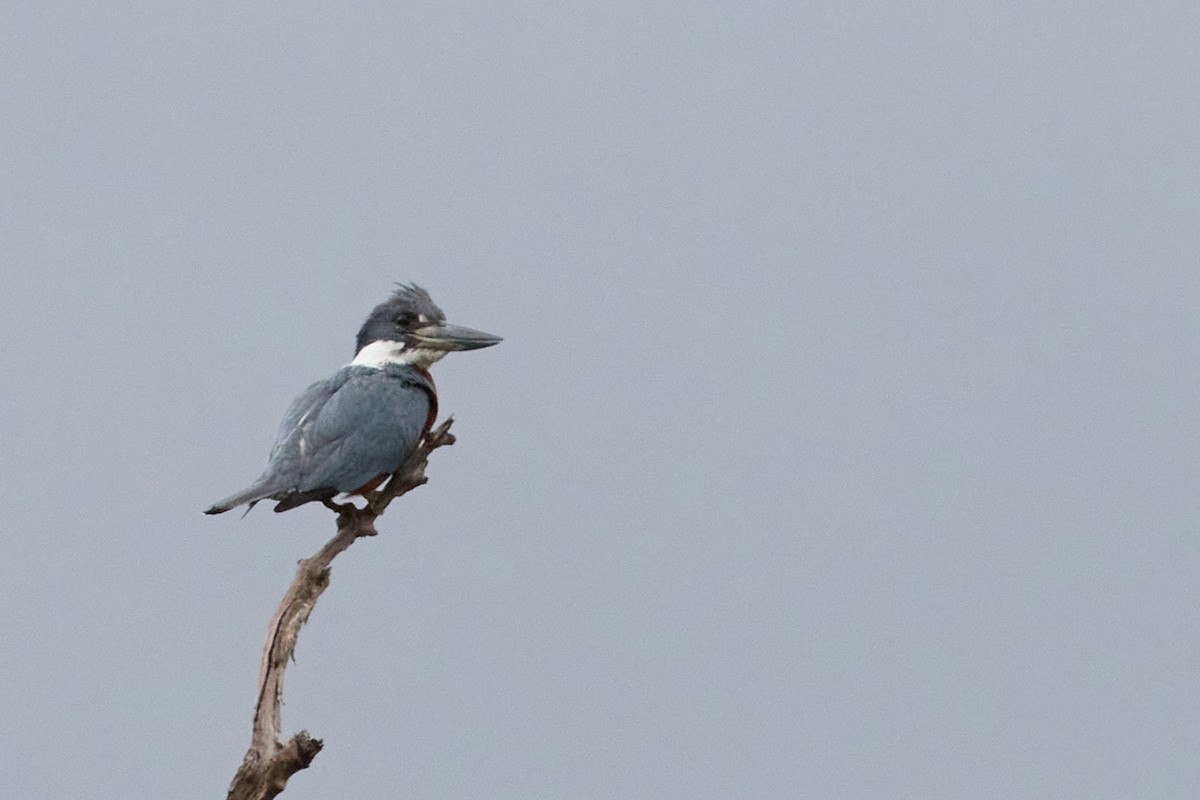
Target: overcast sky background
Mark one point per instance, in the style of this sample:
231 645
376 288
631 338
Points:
843 441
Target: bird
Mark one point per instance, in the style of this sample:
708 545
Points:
348 433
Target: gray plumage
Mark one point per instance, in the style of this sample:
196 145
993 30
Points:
340 434
360 425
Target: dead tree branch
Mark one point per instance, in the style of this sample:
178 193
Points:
269 763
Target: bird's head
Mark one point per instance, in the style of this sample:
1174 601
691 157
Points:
409 329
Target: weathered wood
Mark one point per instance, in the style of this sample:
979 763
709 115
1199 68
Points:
268 763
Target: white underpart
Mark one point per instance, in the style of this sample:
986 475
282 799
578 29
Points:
378 354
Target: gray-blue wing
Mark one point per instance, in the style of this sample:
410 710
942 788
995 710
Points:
339 434
300 414
284 467
364 428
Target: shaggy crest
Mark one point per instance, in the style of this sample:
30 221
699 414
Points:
402 311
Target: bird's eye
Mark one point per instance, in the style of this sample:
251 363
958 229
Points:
404 320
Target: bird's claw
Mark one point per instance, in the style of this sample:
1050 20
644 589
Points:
342 509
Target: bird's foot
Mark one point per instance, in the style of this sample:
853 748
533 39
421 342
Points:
342 509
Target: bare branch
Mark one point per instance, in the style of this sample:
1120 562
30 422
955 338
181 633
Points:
269 763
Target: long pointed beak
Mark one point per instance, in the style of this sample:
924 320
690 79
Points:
453 337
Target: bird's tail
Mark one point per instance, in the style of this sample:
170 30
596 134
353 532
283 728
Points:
259 491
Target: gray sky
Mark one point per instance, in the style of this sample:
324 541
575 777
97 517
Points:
842 444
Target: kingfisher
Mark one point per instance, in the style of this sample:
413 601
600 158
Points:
348 433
